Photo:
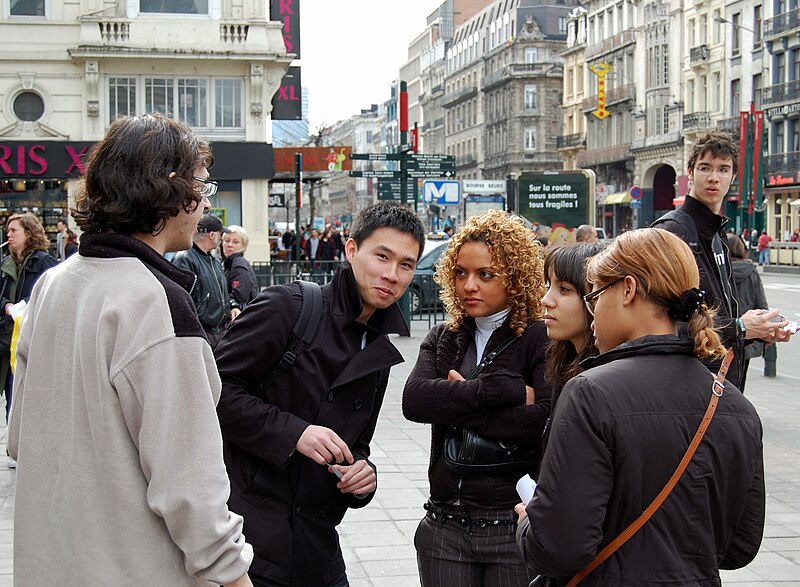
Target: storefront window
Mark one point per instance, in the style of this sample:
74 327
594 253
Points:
27 7
229 198
174 6
47 198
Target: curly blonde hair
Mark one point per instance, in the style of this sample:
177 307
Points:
515 255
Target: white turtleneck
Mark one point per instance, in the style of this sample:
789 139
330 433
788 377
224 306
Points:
484 327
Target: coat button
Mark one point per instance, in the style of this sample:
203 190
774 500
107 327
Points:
330 396
358 404
297 510
322 514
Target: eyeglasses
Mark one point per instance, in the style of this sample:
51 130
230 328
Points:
590 299
708 170
209 187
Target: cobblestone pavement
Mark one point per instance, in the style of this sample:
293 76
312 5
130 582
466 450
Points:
378 540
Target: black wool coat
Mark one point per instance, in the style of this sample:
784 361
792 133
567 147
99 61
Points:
290 504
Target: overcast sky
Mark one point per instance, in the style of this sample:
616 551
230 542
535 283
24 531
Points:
353 50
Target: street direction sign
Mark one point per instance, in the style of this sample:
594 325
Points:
376 156
433 157
378 174
390 189
441 192
423 173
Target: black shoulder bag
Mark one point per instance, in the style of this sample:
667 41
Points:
467 453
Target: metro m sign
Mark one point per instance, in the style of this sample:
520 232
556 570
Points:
287 12
441 192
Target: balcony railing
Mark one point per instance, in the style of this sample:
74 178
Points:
786 21
460 95
568 141
729 125
590 157
616 42
696 120
621 93
231 32
787 163
114 31
780 92
699 54
466 160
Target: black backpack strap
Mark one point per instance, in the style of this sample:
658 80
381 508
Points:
686 223
305 327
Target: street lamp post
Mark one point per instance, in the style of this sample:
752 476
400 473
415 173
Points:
751 146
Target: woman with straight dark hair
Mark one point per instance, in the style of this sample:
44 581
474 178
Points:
483 371
623 425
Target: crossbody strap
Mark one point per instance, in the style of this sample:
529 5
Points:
487 360
717 388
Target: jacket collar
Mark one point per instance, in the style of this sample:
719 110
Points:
656 344
346 301
104 245
706 221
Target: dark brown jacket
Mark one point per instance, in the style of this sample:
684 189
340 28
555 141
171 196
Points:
493 404
619 430
290 504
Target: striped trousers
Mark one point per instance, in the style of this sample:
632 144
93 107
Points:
469 548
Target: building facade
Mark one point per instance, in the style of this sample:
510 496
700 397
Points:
214 64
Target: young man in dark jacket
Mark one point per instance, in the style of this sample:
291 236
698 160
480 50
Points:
712 167
322 410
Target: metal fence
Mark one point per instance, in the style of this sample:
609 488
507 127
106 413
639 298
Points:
425 308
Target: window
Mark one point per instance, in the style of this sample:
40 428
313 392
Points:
703 29
530 139
736 36
562 25
757 85
665 63
27 7
794 136
121 97
665 118
690 96
717 89
186 99
692 35
530 97
569 76
717 26
757 23
228 104
28 106
158 96
703 91
778 138
174 6
780 68
532 55
794 64
736 91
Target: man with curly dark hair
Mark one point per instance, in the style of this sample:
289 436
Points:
121 478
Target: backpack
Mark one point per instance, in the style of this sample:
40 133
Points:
686 223
305 326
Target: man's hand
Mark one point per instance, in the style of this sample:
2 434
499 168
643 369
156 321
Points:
234 313
358 478
322 445
243 581
520 509
758 324
530 395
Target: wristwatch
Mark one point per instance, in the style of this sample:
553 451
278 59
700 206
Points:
740 325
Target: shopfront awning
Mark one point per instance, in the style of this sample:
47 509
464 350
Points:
618 198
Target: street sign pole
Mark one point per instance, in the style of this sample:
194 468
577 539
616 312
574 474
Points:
298 178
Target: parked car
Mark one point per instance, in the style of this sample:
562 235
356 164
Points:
423 290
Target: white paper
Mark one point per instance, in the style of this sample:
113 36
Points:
17 309
525 487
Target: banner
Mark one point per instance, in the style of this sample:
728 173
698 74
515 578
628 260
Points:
287 103
287 12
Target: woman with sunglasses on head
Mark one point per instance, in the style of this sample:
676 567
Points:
623 425
492 283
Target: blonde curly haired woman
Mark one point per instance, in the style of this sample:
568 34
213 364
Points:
492 280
